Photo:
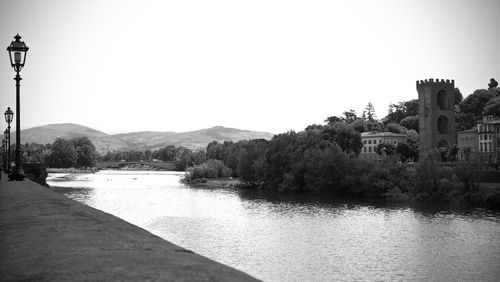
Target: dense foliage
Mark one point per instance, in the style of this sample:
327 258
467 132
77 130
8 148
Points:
480 103
76 152
324 159
181 157
208 169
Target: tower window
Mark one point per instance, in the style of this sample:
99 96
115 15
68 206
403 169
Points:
442 100
442 125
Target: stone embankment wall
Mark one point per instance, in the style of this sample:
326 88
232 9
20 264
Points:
45 236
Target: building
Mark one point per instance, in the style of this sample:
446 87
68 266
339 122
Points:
488 131
436 115
371 140
468 145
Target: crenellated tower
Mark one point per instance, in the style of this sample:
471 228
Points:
436 99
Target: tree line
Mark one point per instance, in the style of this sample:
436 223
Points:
324 158
182 157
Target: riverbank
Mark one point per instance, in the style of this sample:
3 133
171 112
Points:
215 182
45 236
487 194
72 170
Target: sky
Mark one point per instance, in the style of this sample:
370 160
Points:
273 66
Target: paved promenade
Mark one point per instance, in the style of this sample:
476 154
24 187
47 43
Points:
46 237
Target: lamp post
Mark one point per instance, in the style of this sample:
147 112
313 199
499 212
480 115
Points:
6 135
8 118
17 54
4 153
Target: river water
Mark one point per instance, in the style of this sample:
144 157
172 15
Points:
299 238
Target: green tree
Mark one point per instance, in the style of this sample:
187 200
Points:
183 158
250 161
344 135
412 139
369 112
374 126
493 84
458 96
85 152
398 112
166 154
472 107
359 125
404 152
349 116
389 149
492 107
394 128
326 166
333 119
62 154
410 122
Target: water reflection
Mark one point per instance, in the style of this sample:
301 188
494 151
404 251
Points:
79 194
279 237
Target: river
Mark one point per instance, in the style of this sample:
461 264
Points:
297 237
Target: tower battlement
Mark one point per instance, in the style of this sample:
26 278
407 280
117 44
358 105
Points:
432 81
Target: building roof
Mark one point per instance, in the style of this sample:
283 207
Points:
467 131
489 120
381 134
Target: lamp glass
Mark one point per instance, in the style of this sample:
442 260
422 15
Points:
9 114
17 57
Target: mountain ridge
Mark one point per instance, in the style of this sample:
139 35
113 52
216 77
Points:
139 140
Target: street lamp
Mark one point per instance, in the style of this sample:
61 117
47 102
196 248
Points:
6 136
8 115
8 118
4 153
17 54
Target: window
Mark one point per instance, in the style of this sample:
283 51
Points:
480 137
374 141
480 147
498 144
498 129
395 141
370 149
443 100
364 142
369 141
485 137
443 125
364 149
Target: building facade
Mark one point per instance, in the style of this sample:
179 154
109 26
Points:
467 143
436 115
371 140
488 131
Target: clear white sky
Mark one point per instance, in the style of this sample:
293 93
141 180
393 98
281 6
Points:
122 66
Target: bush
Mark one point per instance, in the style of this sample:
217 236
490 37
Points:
208 169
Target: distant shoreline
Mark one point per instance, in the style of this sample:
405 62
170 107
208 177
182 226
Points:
72 170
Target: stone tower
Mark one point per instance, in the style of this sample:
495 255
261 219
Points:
436 104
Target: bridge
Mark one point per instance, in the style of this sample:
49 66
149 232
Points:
137 165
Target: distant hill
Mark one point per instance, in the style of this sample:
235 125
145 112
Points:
48 133
194 140
143 140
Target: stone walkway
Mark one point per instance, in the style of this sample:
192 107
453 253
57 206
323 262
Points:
45 236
